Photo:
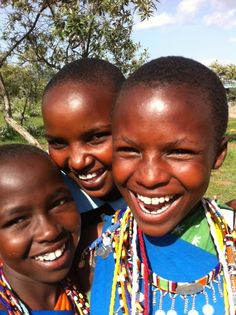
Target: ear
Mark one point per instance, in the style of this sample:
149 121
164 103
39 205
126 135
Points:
221 153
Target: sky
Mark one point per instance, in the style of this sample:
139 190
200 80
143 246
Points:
204 30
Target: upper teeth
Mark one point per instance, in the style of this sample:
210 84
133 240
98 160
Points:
52 255
154 201
87 176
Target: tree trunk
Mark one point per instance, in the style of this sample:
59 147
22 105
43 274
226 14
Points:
22 131
5 97
8 116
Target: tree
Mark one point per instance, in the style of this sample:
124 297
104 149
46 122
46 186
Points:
47 34
225 72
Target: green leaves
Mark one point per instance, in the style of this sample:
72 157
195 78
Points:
67 30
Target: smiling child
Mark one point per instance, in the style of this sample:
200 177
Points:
173 251
76 110
39 232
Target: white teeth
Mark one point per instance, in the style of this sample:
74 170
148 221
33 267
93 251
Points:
87 176
58 253
154 201
51 256
147 200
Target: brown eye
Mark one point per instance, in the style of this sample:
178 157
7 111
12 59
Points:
14 221
56 143
99 137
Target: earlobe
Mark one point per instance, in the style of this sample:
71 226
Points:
221 153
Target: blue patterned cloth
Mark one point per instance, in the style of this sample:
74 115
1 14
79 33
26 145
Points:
85 203
171 258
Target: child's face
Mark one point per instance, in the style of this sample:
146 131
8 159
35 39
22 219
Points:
39 222
163 154
78 129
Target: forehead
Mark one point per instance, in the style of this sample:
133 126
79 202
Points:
77 97
152 100
76 103
164 109
27 171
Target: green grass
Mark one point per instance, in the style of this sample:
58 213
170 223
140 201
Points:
223 181
34 125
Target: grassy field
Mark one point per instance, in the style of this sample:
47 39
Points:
223 181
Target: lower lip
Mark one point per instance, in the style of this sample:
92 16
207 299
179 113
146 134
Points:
59 263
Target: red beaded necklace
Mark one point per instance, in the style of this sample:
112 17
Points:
15 306
124 262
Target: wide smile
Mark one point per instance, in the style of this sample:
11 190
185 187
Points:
51 256
154 206
91 180
55 259
91 176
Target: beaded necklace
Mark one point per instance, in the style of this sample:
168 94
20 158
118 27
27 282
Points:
128 267
15 306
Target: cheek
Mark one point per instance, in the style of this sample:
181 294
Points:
15 247
71 222
194 176
105 154
122 171
58 157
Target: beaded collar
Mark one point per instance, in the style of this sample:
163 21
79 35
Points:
15 306
129 267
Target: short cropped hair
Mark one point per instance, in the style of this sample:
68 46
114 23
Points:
179 70
15 151
88 70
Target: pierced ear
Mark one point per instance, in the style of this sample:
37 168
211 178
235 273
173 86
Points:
221 153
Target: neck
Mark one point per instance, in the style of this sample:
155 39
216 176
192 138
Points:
113 195
36 295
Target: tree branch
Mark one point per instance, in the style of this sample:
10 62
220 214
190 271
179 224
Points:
17 43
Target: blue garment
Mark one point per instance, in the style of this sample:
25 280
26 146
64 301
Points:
166 256
86 203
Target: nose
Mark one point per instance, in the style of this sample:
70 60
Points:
46 229
79 158
154 172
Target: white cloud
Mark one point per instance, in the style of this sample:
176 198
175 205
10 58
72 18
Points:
224 19
232 39
219 5
189 7
156 21
185 10
221 13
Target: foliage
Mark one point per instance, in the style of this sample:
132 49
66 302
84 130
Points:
61 31
225 72
34 125
41 36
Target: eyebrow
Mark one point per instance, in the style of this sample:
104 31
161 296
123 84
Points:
170 143
124 138
15 210
89 131
93 130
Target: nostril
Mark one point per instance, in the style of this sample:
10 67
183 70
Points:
80 161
